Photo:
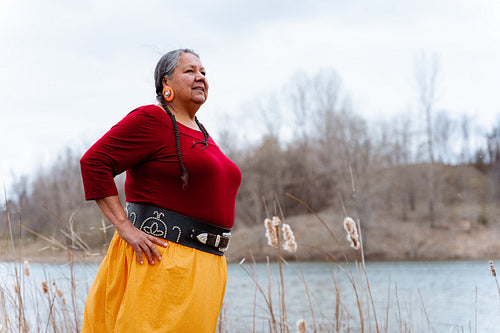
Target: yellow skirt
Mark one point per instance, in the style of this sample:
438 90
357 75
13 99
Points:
181 293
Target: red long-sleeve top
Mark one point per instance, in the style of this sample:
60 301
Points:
143 145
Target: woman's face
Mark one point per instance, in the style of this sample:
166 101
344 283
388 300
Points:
188 80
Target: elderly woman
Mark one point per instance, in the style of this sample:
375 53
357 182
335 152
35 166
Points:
180 191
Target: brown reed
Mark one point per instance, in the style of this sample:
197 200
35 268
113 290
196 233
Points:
494 273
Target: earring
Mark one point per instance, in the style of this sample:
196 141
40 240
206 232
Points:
168 93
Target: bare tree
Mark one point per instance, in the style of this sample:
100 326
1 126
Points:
269 113
301 147
404 177
493 145
493 149
465 127
426 72
444 130
300 105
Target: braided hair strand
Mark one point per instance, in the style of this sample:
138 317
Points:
166 67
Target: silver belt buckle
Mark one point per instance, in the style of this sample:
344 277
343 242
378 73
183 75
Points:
228 236
202 238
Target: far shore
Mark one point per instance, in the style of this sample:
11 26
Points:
384 239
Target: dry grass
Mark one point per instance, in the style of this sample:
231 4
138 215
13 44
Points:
30 304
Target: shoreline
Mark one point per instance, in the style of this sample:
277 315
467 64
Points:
232 258
385 239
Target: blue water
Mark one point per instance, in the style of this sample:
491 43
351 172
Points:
421 296
426 296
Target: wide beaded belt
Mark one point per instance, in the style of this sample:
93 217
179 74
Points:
179 228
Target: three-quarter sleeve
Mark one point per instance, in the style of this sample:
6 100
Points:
133 140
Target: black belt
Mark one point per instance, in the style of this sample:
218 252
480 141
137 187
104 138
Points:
179 228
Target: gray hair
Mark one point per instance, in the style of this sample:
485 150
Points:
166 66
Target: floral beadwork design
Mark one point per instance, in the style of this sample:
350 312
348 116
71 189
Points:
154 225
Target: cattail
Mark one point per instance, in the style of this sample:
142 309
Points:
272 237
301 326
290 244
45 287
64 300
492 267
352 232
59 292
276 221
26 268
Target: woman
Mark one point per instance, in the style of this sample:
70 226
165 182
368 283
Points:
180 191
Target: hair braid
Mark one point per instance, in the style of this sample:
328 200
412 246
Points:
184 176
205 134
165 68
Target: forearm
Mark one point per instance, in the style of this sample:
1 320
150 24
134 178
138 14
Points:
112 208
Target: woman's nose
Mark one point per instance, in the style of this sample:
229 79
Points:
200 76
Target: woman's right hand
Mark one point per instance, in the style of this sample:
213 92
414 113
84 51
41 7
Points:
141 242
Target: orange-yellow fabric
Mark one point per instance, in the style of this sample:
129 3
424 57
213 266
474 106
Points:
181 293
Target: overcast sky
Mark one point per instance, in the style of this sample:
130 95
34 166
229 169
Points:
71 69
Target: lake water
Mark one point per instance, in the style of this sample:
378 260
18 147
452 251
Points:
443 292
455 296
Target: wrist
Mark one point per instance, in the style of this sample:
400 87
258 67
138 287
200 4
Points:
124 225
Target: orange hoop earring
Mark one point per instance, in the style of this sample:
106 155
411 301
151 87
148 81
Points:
168 93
